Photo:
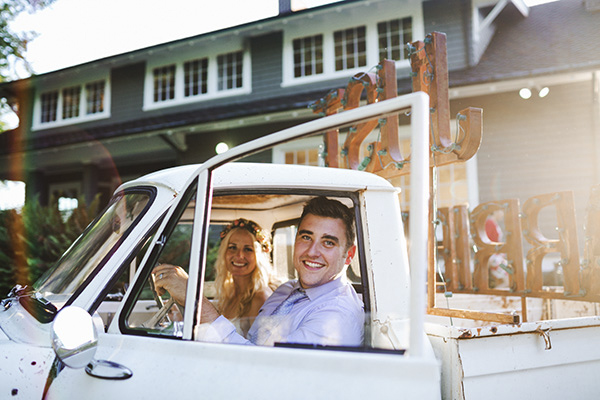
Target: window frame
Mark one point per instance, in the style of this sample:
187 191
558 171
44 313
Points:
180 59
91 97
389 11
390 37
163 233
195 77
163 88
354 197
71 102
84 85
49 106
308 45
348 50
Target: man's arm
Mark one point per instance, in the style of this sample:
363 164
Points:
216 328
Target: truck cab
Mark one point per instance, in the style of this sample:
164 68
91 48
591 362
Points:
139 343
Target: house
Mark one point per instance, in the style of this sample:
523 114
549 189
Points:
86 128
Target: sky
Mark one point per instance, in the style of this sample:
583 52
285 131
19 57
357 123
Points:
71 32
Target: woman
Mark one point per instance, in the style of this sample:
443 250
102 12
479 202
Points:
243 273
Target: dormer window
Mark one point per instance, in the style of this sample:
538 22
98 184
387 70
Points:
84 101
199 73
338 47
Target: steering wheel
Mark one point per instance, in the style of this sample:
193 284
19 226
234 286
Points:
163 308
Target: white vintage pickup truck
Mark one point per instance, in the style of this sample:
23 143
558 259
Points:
94 328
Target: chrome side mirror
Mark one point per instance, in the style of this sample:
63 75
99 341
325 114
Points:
74 337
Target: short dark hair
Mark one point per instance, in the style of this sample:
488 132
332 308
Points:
321 206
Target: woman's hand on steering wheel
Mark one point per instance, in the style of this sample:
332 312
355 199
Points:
172 279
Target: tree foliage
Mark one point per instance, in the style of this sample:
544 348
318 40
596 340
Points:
14 44
32 240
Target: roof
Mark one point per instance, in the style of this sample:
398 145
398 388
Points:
556 37
520 48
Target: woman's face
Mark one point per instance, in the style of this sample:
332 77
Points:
240 259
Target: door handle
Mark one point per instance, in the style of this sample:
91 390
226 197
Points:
105 369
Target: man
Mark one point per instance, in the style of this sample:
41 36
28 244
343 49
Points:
321 307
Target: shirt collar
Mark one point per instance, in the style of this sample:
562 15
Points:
318 291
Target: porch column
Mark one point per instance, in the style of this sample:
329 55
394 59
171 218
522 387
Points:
36 185
89 184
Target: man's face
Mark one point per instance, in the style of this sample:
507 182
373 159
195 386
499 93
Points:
320 250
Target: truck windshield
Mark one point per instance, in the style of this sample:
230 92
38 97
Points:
88 252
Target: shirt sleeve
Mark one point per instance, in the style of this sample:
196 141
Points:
220 330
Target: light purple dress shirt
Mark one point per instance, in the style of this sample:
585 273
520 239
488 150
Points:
332 314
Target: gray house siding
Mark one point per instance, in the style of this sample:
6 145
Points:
538 146
127 91
266 51
449 17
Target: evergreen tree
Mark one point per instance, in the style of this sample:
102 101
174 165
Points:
32 240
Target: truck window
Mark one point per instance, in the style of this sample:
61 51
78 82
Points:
89 253
278 216
155 310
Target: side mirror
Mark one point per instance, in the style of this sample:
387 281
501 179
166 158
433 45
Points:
74 337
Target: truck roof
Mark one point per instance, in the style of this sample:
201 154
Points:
257 175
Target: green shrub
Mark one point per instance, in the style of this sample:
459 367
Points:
32 240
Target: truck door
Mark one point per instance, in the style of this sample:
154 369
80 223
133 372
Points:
145 348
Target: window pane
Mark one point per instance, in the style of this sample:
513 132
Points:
230 69
153 310
101 238
308 56
49 106
392 37
350 48
195 75
94 97
164 83
70 102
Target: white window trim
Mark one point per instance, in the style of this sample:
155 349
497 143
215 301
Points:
338 22
212 80
37 123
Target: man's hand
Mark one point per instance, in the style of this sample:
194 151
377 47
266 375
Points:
173 279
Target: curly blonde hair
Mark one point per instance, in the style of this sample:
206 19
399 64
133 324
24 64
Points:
230 303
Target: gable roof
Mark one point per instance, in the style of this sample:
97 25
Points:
556 37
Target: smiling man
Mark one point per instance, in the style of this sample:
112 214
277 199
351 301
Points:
321 306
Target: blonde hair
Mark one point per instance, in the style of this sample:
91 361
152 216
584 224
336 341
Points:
230 303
